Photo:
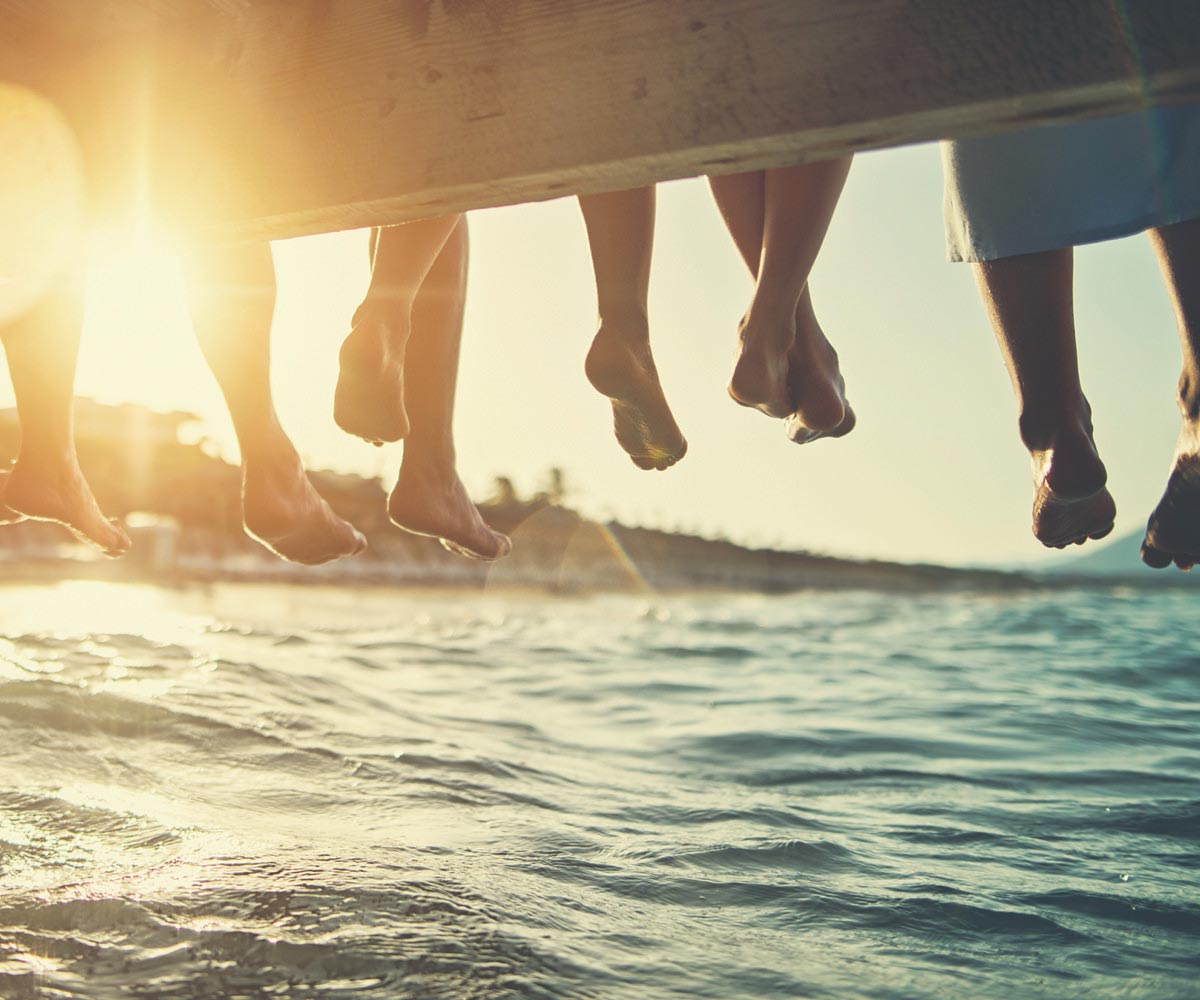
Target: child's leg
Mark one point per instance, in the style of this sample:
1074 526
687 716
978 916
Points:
786 366
232 293
369 402
620 365
46 483
1173 534
429 498
1029 302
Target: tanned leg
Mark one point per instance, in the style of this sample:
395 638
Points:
1173 533
369 401
620 365
429 498
232 292
46 483
786 367
1030 304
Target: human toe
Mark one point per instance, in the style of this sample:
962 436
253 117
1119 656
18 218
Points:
1154 557
117 542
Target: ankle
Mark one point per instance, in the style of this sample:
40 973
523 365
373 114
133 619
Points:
766 328
429 459
270 454
48 459
624 318
386 323
1043 429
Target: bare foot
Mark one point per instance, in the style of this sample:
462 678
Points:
760 373
1070 503
56 491
282 510
369 400
622 368
430 499
1173 533
7 514
816 388
799 432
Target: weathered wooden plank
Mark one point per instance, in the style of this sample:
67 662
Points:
68 22
288 118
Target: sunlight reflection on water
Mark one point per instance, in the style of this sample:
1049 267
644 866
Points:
322 792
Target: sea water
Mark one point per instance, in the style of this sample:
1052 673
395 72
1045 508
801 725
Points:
293 792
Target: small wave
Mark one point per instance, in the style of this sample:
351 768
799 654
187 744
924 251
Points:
1165 818
802 857
670 816
939 919
948 835
50 841
318 943
722 654
756 745
656 887
54 708
404 760
891 776
1130 907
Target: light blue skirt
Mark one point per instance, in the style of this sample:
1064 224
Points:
1064 185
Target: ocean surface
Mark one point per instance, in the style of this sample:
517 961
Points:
246 792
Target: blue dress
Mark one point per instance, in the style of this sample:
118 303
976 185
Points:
1063 185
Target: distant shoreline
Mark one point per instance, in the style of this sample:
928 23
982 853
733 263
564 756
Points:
880 577
181 506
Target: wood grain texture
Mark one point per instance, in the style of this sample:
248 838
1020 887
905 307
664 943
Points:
67 22
249 120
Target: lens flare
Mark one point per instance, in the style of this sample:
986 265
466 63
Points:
41 198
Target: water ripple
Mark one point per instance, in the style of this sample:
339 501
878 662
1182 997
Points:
847 795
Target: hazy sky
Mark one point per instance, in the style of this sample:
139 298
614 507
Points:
934 470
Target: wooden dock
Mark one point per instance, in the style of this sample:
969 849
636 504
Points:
257 119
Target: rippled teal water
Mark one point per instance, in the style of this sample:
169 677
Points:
262 792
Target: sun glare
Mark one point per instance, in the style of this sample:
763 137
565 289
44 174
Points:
135 273
90 608
137 333
41 197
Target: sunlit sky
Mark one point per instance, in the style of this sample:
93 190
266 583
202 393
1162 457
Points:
934 470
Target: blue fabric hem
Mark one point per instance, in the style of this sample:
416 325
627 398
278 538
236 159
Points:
1131 227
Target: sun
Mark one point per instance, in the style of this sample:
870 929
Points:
139 345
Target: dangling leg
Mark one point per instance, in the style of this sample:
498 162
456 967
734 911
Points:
786 367
429 498
620 365
232 293
816 388
1173 533
46 483
1030 304
369 402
